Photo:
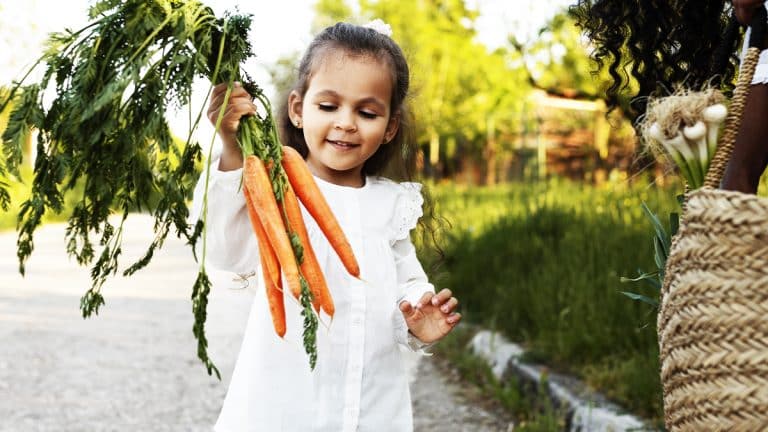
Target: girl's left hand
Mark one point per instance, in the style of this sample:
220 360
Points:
432 317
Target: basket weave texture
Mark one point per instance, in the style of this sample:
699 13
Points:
713 325
713 315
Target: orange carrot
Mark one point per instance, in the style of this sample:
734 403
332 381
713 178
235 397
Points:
270 268
309 193
256 180
310 268
268 257
275 299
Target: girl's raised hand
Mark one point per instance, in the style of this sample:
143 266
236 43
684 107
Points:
432 317
239 104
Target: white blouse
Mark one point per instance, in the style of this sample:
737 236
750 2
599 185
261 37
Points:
360 382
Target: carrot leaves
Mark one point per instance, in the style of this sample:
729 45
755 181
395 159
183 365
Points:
100 111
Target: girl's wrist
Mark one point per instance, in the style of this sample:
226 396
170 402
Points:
417 343
231 155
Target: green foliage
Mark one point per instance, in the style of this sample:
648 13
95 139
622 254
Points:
557 59
330 12
310 322
662 243
542 264
105 131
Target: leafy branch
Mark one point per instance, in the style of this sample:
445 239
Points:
106 131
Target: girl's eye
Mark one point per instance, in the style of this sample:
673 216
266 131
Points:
368 114
326 107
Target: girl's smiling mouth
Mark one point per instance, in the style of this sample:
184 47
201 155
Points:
343 145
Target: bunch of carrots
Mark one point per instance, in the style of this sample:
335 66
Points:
275 179
284 246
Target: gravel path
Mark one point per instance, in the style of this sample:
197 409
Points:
134 367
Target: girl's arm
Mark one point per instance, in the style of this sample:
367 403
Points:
413 284
230 242
428 317
412 281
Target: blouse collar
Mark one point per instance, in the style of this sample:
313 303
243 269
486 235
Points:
323 184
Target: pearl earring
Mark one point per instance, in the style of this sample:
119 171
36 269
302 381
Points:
298 124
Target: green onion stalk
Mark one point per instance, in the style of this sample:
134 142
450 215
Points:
690 155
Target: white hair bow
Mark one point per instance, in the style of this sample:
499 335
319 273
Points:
380 26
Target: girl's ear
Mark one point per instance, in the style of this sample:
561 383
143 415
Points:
294 107
394 123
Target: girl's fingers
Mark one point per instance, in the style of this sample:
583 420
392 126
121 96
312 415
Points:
406 307
441 297
237 100
235 111
218 90
221 88
233 114
238 95
450 305
424 300
453 319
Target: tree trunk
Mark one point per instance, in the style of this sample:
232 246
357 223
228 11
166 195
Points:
434 152
491 153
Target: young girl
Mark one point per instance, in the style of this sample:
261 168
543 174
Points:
346 115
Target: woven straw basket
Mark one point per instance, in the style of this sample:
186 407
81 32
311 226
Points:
713 317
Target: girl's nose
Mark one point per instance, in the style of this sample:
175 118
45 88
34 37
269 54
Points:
345 121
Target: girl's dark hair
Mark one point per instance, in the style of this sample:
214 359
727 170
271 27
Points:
665 44
395 158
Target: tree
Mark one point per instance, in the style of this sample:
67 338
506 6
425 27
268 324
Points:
558 61
329 12
457 82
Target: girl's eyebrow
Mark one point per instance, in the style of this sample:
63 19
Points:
371 100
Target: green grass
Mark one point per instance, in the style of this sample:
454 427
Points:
541 263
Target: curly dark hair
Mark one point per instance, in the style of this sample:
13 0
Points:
660 44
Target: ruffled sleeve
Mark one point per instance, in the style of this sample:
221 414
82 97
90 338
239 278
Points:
412 281
407 211
231 245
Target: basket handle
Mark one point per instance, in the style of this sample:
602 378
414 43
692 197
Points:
736 107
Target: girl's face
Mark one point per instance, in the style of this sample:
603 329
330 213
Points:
345 115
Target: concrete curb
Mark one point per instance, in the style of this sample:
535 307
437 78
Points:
585 410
